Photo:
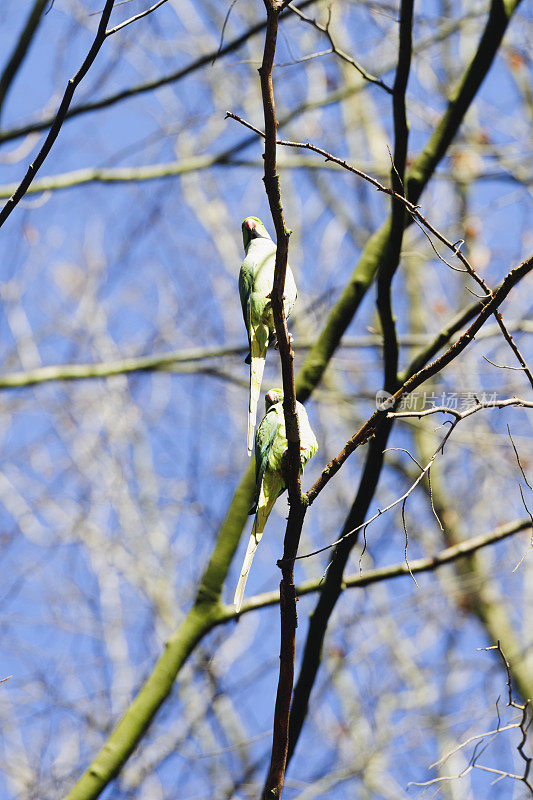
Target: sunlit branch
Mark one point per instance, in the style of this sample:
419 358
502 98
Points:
111 31
380 574
458 417
149 86
176 360
184 166
522 726
428 371
81 177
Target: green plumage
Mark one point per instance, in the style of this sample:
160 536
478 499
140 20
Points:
270 446
256 279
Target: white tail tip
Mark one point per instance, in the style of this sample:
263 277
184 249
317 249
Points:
250 438
248 558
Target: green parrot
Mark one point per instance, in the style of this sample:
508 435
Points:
255 286
270 446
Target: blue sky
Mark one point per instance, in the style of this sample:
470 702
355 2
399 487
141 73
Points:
112 491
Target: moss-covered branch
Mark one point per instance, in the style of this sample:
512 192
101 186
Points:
184 360
206 612
374 254
207 608
457 552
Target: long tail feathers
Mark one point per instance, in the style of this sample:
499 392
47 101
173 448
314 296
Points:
247 563
255 537
257 366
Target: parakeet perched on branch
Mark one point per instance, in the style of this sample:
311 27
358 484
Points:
270 446
255 286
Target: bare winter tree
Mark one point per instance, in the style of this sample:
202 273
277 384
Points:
387 149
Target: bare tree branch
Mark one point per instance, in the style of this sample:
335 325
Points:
337 51
61 114
21 48
149 86
413 382
111 31
379 574
522 725
174 360
278 761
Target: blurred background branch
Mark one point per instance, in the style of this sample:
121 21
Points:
124 482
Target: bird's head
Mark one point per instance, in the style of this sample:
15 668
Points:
272 397
253 228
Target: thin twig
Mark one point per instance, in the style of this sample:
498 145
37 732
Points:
337 51
393 571
430 491
412 208
142 14
407 544
459 415
173 361
415 380
60 116
531 518
514 347
417 217
518 460
489 736
226 18
503 366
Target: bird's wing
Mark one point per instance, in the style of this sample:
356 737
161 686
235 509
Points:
246 282
266 433
290 293
270 439
308 442
255 284
258 351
